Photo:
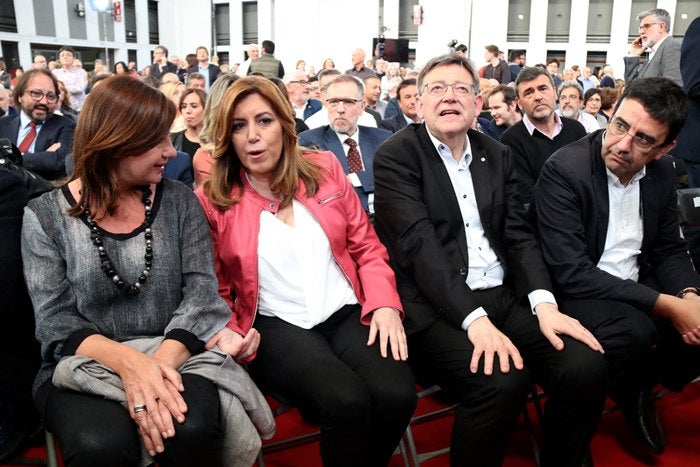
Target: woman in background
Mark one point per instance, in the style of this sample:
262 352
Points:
192 102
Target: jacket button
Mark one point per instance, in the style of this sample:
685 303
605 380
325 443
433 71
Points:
463 271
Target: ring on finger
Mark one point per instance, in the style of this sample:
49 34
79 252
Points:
139 408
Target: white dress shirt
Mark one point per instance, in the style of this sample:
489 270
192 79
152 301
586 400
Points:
623 240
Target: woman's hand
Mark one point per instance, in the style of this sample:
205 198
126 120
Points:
387 322
152 390
242 349
148 381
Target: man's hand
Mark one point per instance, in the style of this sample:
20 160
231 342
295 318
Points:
387 323
553 322
54 147
636 47
684 314
489 341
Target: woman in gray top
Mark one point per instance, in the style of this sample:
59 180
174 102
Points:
119 266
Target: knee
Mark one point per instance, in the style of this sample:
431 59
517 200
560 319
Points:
395 397
500 389
349 405
114 448
586 370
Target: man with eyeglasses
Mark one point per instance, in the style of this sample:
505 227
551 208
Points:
354 145
44 138
608 223
480 316
664 51
297 85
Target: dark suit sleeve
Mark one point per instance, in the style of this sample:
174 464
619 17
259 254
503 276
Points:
505 73
559 201
52 165
668 253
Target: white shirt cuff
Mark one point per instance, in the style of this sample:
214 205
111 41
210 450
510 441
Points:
473 316
540 296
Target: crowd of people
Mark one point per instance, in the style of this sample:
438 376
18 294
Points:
216 233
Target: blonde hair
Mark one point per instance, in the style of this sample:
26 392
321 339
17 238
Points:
225 186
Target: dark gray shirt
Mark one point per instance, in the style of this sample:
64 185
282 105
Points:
73 298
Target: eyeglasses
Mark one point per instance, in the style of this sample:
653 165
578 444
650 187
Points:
334 103
36 95
439 88
646 26
643 144
302 82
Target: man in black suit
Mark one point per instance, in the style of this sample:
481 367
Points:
472 280
161 65
608 222
209 70
406 94
47 137
345 103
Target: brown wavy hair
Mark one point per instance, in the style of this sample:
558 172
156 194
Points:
121 117
225 186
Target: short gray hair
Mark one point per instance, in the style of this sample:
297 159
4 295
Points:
349 79
660 15
446 60
570 84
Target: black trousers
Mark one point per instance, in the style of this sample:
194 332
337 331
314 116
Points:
488 406
642 350
95 431
361 401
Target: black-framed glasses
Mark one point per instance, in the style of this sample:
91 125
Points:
334 103
642 143
36 95
439 88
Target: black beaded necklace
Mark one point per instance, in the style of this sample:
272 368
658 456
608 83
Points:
106 263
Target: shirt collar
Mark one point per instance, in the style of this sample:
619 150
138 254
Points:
446 153
355 137
613 180
653 49
24 120
531 127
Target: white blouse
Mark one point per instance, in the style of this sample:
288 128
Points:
299 280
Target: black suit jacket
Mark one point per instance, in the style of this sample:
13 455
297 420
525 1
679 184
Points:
417 216
571 203
213 72
370 138
169 67
56 129
395 123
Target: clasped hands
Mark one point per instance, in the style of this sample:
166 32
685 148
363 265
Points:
489 341
154 383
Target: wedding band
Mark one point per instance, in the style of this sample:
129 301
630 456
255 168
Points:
139 408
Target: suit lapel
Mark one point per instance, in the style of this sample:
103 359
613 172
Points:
481 180
333 144
600 191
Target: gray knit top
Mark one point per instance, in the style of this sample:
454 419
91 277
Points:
73 298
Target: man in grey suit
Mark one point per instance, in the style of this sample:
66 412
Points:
344 138
664 51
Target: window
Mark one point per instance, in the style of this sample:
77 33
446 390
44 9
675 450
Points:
250 22
222 24
519 20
